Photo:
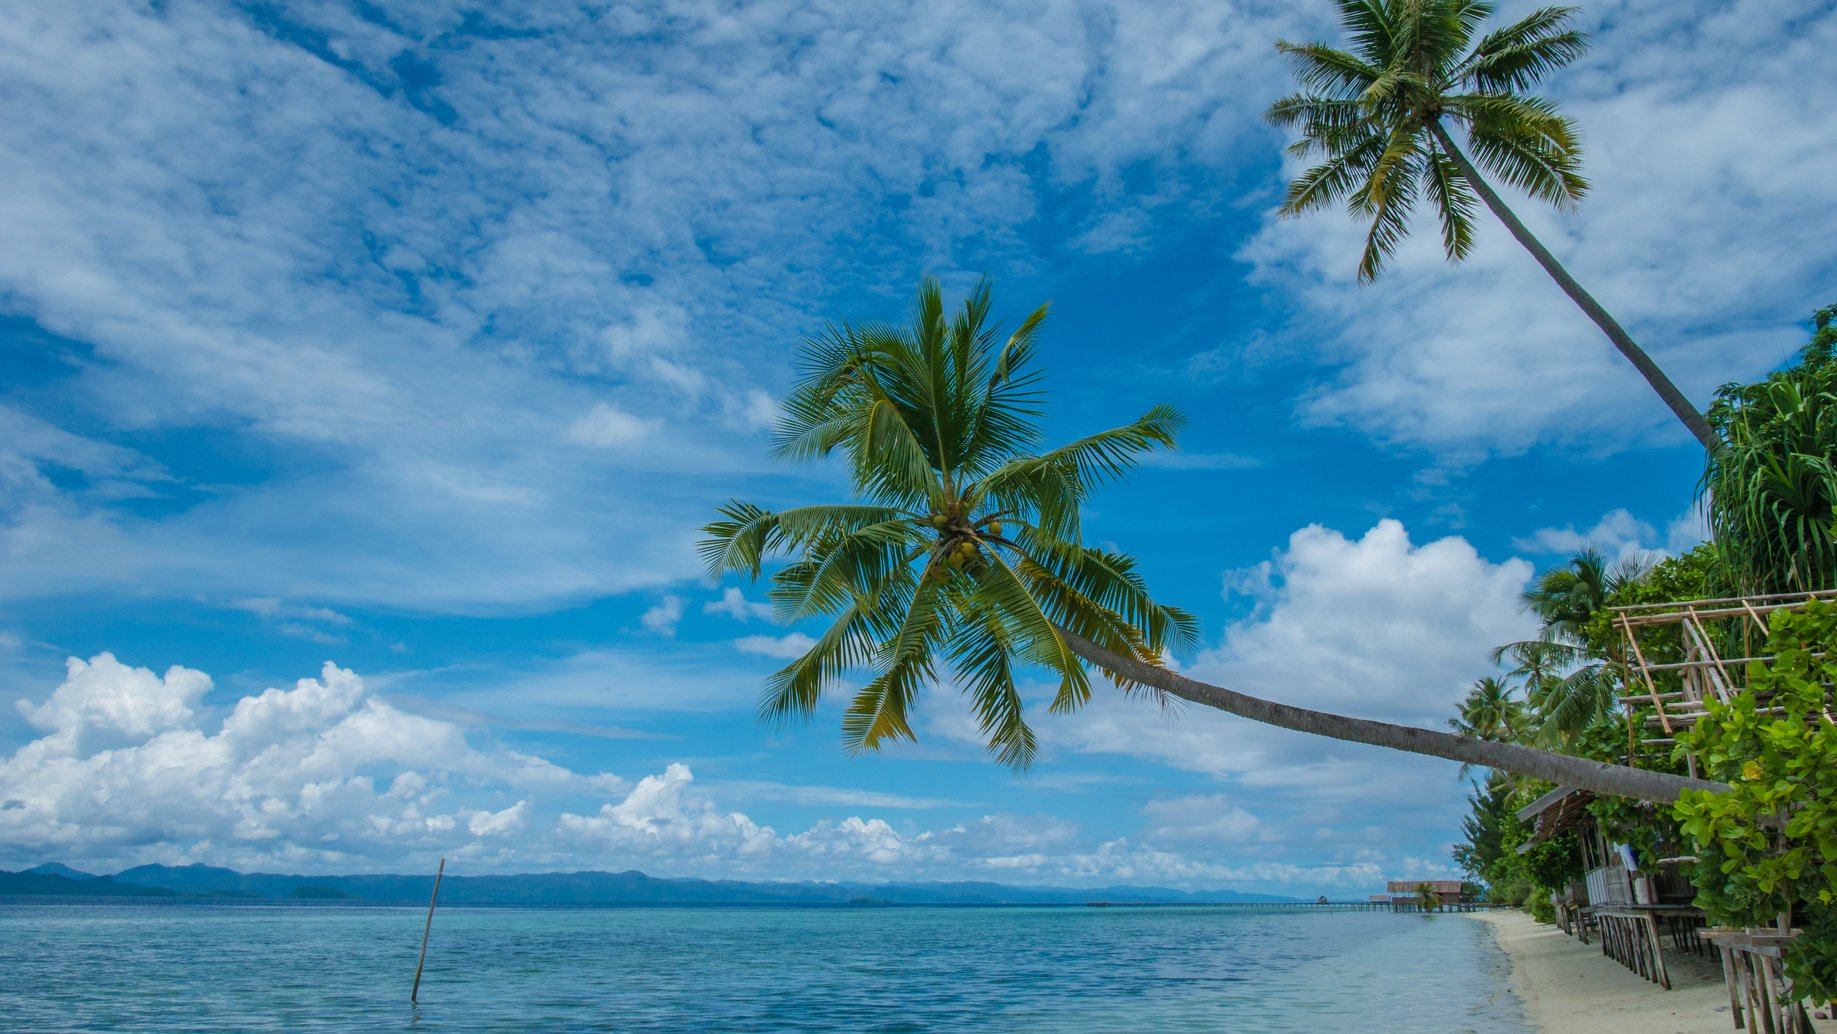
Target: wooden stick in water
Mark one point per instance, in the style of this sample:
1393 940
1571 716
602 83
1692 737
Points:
414 996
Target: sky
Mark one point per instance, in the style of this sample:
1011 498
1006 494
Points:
367 370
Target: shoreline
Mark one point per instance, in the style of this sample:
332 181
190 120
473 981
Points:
1567 987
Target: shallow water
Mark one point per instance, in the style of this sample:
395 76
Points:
183 966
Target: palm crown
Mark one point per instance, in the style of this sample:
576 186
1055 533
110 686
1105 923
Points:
961 547
1376 112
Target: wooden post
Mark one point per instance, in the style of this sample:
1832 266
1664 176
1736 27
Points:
414 996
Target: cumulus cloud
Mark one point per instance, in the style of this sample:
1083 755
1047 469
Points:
662 617
107 700
327 776
734 604
660 816
784 647
319 774
1619 535
609 427
1375 626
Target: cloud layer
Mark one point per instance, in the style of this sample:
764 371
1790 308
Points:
323 776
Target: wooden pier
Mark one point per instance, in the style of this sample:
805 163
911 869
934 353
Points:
1255 906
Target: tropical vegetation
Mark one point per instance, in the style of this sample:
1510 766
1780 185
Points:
1774 483
1379 113
1767 843
1768 847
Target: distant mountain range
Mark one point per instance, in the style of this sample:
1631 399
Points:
567 889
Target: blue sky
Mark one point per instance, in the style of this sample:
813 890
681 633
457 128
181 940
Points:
418 341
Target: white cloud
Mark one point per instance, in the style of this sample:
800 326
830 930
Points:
257 227
1685 531
1211 818
1617 534
784 647
318 775
661 816
1375 626
104 700
734 604
326 776
662 617
1699 108
609 427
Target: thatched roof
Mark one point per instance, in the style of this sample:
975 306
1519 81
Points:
1558 811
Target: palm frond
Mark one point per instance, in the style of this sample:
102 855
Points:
1035 636
985 657
1455 204
1370 26
907 662
1519 56
1334 178
1387 198
1331 71
1525 142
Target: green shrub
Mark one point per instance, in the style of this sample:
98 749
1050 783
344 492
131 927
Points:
1769 844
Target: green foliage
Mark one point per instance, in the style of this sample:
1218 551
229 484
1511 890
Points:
1374 114
1494 835
1426 898
1770 843
1812 964
1772 487
1484 827
961 547
1542 909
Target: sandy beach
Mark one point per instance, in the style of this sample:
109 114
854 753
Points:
1571 988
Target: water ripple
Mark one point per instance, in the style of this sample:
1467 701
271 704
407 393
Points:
166 966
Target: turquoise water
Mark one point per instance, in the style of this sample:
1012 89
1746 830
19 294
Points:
138 966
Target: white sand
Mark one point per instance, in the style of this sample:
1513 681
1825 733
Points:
1571 988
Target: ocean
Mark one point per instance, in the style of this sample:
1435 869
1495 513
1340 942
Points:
184 966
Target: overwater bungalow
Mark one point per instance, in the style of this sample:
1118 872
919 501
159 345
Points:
1407 895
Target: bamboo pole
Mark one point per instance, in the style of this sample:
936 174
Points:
414 996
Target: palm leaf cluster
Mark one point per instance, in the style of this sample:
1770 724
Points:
1571 681
959 555
1374 115
1773 486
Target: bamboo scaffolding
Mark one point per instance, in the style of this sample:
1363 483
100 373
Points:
1703 673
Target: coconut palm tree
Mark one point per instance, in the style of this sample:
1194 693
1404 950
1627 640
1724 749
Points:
1490 712
1379 115
960 553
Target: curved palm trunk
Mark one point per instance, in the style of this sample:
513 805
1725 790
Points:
1680 406
1562 769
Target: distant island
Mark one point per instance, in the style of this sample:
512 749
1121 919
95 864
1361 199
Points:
570 890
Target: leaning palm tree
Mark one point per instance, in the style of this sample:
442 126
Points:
1379 115
960 554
